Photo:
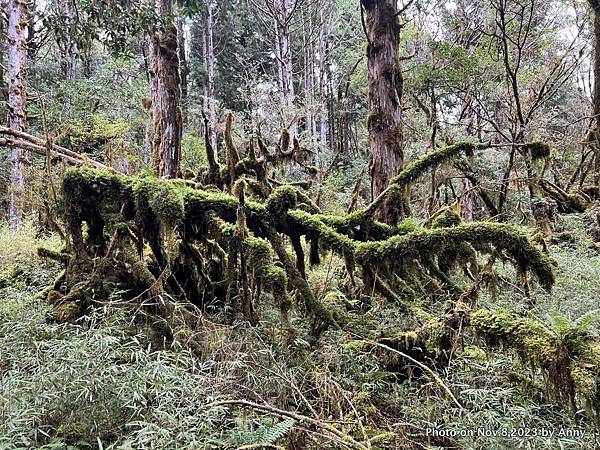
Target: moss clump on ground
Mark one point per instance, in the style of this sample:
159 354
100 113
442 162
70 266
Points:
73 433
66 312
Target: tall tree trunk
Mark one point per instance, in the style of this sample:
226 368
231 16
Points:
308 32
17 97
284 12
595 4
386 157
323 81
3 51
184 69
210 77
165 87
69 52
31 44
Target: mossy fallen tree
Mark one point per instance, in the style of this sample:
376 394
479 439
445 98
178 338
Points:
567 353
149 237
226 252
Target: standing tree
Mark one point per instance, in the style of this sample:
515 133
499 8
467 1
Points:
17 100
386 156
595 4
281 14
209 86
165 86
69 45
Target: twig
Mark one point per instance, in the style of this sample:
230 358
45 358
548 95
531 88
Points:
343 437
422 366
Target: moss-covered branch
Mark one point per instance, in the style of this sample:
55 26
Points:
393 258
567 353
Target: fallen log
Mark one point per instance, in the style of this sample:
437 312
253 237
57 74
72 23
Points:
40 146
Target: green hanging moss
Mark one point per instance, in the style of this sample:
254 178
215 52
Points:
88 191
260 259
397 259
328 237
571 358
480 235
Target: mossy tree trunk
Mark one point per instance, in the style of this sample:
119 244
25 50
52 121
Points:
385 93
165 86
17 101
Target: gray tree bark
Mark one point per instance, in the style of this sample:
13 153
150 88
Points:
69 51
283 11
184 69
595 4
209 88
17 101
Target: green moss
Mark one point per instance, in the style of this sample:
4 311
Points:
53 296
164 199
72 433
66 312
531 338
328 237
281 200
571 359
260 260
503 237
537 150
446 218
585 381
418 167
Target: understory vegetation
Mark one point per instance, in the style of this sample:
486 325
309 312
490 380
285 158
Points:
109 380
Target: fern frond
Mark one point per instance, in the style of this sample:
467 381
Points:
275 432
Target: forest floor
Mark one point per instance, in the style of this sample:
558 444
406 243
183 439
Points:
108 382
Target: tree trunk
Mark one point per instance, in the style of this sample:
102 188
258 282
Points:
595 4
184 69
283 48
17 97
165 87
324 21
69 51
385 92
309 75
3 51
210 77
31 44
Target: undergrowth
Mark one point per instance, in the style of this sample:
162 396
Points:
103 383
